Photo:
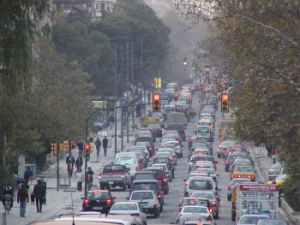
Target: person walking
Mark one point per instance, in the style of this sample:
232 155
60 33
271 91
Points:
79 163
70 161
105 144
98 147
38 195
28 175
22 199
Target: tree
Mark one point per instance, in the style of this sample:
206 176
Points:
19 25
261 40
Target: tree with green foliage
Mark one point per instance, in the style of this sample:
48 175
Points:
90 43
261 41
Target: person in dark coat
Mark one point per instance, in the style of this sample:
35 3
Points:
79 163
23 199
70 161
98 147
105 144
38 194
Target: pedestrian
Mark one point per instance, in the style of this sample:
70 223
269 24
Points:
38 194
28 175
22 198
105 144
79 163
80 146
98 146
70 161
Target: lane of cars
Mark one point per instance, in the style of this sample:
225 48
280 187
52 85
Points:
144 170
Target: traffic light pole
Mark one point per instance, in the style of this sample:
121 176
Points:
57 168
116 129
86 158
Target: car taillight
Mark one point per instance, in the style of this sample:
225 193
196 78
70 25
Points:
213 203
109 202
210 210
159 196
86 201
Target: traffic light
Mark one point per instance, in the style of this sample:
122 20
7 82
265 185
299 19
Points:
87 148
156 102
225 103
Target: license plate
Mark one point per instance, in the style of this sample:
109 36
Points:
97 208
110 182
144 204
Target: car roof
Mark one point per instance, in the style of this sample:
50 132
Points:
142 191
145 181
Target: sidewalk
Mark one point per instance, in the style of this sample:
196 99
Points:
61 201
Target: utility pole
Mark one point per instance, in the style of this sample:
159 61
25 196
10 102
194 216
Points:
115 63
57 166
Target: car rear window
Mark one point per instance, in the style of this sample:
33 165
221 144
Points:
98 195
141 195
144 176
146 186
200 185
114 169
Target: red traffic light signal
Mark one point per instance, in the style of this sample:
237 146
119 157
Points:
87 148
156 102
225 103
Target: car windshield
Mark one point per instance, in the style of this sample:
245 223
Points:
124 206
97 195
250 219
160 160
195 210
141 195
200 185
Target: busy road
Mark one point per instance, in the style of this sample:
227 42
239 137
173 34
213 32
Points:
182 167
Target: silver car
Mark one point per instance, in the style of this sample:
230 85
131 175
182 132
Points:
128 208
148 201
190 213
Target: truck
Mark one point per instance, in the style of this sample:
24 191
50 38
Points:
255 199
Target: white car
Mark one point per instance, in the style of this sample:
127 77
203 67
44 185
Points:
128 208
251 219
128 159
147 201
192 213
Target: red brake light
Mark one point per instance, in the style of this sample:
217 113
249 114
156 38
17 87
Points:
210 210
109 202
86 201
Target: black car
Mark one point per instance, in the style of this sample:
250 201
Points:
98 200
